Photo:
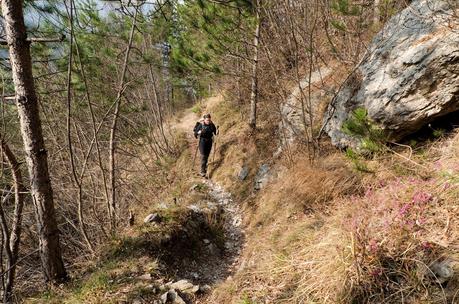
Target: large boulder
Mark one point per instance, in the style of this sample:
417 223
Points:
408 78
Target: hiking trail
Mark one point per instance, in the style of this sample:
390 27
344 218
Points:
219 270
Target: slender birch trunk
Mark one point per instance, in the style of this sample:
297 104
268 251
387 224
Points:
112 148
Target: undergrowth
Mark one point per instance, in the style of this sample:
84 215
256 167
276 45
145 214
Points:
324 234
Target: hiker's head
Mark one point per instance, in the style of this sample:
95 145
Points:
207 119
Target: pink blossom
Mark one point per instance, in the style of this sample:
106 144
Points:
421 197
376 272
437 165
373 246
426 245
404 210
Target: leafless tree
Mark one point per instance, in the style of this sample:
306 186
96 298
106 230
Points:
254 89
12 237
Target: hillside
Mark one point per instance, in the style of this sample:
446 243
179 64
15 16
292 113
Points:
313 233
332 175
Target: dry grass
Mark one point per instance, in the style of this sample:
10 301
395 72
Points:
283 223
327 234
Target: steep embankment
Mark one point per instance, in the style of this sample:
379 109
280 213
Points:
315 233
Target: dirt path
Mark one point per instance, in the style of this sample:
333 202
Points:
187 122
232 225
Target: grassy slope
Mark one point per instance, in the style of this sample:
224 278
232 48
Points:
322 233
330 234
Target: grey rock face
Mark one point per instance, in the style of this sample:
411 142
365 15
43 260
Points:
292 124
408 78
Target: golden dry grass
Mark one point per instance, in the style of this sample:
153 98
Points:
324 233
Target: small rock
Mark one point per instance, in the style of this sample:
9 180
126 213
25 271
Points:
152 218
205 288
194 208
164 297
262 177
243 173
145 277
171 297
195 288
182 285
206 241
443 271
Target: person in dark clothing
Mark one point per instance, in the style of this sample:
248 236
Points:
205 130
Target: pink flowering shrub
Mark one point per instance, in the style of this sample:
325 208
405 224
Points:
391 225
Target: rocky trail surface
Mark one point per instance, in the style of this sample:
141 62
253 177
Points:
220 262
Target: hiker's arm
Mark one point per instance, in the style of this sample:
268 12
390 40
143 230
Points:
197 130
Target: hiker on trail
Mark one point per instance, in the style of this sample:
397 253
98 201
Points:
205 130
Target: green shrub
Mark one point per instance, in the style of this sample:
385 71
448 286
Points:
372 137
357 161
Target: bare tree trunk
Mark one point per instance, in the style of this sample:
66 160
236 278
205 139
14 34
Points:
78 182
115 122
159 109
31 130
254 90
95 130
12 247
